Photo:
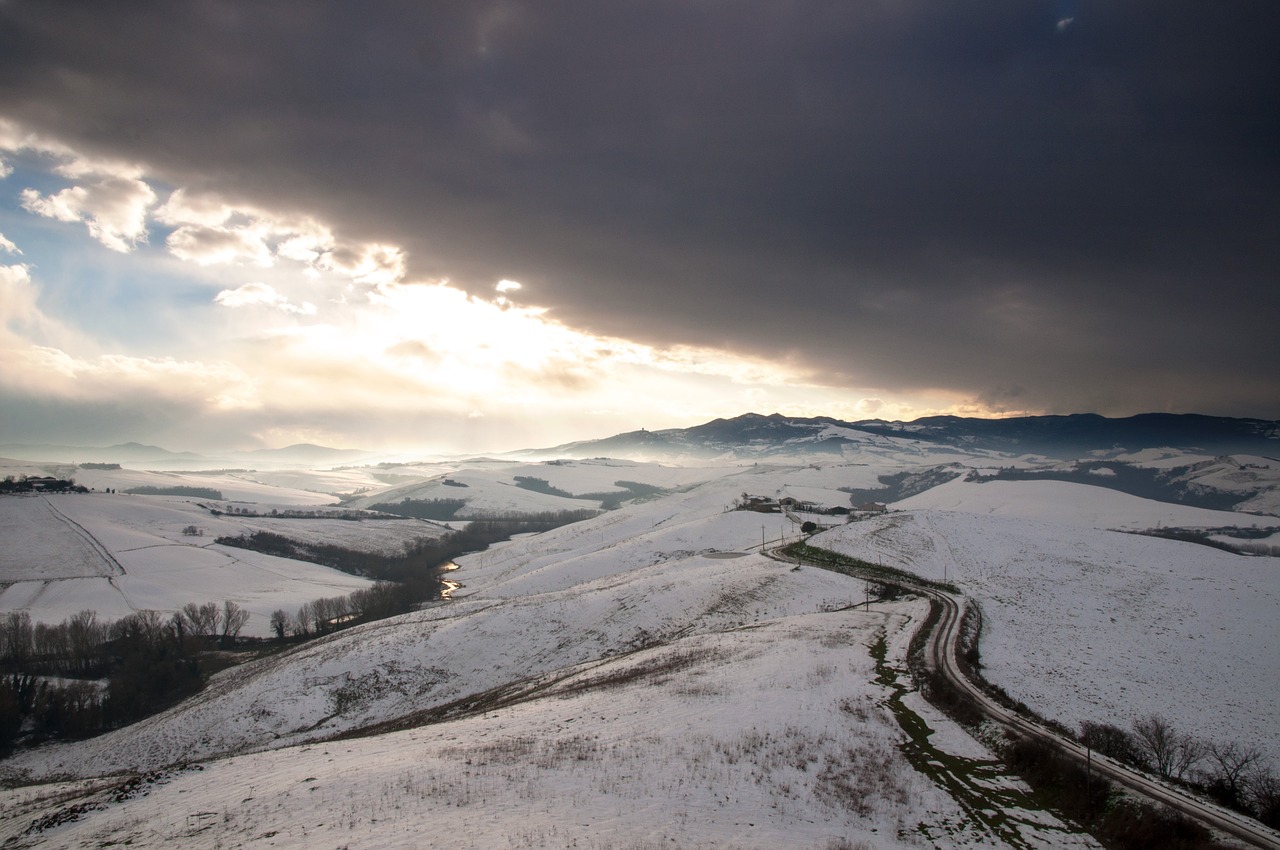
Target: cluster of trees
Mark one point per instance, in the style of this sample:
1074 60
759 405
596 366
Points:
1249 538
321 616
1236 775
288 513
416 568
1162 485
402 581
609 499
84 675
193 492
436 509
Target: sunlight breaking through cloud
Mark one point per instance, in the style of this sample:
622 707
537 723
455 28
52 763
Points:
380 352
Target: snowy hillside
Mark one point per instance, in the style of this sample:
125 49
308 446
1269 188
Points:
116 554
645 676
536 605
642 671
1087 624
777 735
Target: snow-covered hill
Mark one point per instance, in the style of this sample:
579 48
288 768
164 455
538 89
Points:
1088 624
116 554
647 675
624 681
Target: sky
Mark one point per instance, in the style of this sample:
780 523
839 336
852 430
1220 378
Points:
483 225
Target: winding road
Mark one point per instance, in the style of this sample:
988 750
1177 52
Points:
941 655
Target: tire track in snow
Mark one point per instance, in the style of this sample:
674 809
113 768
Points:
87 536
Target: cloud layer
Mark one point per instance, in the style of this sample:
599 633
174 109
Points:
983 200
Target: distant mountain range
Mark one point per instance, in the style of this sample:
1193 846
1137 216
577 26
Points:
1073 436
122 453
753 435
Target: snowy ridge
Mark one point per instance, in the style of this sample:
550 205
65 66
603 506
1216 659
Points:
1087 624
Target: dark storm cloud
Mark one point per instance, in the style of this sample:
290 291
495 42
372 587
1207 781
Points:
974 196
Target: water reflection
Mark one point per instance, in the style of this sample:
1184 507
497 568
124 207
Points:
448 586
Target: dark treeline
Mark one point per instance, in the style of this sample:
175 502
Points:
402 581
901 485
417 568
193 492
608 499
437 509
1205 537
1161 485
84 675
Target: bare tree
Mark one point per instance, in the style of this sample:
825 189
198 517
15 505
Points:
280 623
145 626
202 620
1171 752
1232 766
1264 794
302 622
1113 741
50 642
16 638
233 619
84 634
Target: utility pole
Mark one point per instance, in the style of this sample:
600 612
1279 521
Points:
1088 780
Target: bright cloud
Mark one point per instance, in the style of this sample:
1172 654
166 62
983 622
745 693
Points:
264 294
112 205
57 373
7 246
109 197
215 245
211 231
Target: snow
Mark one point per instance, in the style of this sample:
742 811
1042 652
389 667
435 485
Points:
1087 624
238 487
39 545
116 554
739 738
1069 502
647 678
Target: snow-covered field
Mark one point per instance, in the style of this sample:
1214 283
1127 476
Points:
116 554
41 544
1088 624
647 679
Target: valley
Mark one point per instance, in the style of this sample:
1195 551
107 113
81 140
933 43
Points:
648 675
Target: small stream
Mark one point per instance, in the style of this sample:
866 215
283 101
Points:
448 585
987 795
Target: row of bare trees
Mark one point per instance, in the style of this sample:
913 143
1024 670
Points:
84 675
1236 774
81 644
320 616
